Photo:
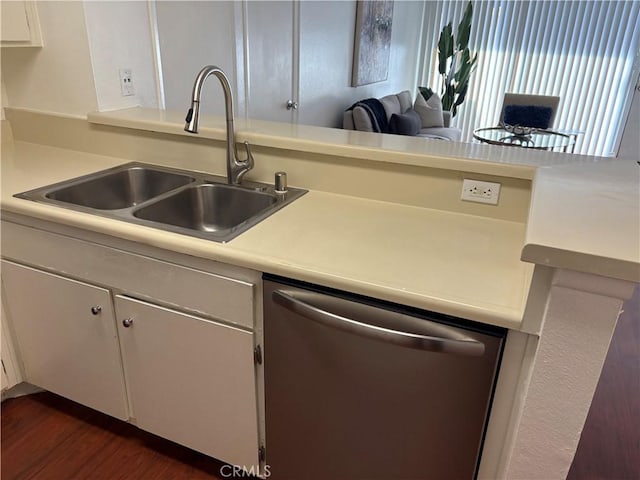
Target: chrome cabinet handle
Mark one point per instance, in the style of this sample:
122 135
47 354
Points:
127 322
291 105
388 326
95 310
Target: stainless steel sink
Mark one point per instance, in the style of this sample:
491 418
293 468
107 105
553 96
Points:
118 189
208 208
168 199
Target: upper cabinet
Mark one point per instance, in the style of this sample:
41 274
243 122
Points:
20 26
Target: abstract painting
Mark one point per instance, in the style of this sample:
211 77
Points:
372 42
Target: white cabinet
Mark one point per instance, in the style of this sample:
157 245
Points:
184 367
20 26
10 370
66 337
190 380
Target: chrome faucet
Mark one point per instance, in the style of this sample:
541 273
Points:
235 168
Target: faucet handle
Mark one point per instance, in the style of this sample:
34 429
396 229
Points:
249 159
238 167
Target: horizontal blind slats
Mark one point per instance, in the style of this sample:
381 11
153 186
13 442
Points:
581 51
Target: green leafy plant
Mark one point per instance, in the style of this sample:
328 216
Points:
455 62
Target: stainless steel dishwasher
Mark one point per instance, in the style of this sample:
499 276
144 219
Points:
360 389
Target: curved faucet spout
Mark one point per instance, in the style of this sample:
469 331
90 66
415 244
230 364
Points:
236 168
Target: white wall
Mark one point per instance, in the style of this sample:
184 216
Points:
193 34
327 32
120 37
76 71
86 43
57 77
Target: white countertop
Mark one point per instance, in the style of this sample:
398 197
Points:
587 218
415 256
584 216
585 210
509 162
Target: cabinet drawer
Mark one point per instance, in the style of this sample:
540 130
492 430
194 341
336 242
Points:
182 287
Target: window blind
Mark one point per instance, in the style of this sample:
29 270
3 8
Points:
581 51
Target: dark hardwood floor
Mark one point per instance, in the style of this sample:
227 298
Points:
46 437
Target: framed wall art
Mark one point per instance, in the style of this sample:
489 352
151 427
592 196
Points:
372 42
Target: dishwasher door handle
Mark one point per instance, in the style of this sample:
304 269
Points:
384 325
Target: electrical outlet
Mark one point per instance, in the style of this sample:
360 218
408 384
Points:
126 82
479 191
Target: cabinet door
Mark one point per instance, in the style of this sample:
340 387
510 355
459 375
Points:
66 337
19 24
270 30
190 380
10 371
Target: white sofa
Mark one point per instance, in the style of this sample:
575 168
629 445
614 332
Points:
358 118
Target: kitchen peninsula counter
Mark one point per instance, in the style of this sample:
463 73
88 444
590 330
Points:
583 213
414 256
553 262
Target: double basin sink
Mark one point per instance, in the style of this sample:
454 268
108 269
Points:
194 204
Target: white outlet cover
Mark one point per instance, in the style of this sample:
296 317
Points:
126 82
480 192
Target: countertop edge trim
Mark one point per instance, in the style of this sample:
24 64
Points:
581 262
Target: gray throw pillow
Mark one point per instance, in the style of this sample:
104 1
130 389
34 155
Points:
430 111
407 123
391 105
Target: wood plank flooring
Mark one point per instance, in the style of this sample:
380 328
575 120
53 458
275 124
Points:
46 437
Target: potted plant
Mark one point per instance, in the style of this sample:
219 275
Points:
455 63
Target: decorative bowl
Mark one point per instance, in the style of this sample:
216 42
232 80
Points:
519 130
